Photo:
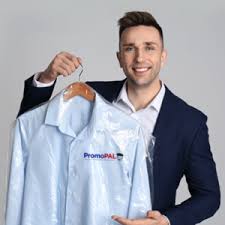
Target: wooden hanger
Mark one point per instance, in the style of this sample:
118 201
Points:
79 89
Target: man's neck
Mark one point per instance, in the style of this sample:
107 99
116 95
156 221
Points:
141 97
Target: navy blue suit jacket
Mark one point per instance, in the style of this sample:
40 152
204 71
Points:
182 149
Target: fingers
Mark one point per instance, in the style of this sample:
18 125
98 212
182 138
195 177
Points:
121 220
158 217
64 64
76 60
154 215
69 63
125 221
70 59
80 60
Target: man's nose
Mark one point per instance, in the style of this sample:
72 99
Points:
139 56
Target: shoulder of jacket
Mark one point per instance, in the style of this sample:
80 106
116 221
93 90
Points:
34 117
187 111
108 89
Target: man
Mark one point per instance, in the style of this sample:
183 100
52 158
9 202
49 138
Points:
182 147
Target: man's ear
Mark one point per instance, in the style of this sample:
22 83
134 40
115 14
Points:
119 58
163 57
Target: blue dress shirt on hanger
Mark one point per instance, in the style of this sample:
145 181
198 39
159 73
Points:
77 163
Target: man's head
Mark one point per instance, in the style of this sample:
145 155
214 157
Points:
137 18
141 49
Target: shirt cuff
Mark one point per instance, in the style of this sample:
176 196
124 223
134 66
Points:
167 219
37 83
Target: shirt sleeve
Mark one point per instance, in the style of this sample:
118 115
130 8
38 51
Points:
140 198
16 179
34 96
37 83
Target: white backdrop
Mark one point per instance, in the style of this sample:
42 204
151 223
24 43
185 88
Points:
33 32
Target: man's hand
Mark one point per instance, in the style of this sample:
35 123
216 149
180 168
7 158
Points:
64 64
152 218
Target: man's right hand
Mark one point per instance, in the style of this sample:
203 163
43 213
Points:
63 64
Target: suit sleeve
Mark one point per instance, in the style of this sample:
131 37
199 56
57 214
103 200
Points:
34 96
16 179
203 185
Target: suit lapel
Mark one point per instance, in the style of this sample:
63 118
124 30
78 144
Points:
164 119
163 129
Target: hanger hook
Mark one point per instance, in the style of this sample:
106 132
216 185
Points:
81 71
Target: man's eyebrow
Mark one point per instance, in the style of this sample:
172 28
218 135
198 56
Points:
151 43
146 43
128 44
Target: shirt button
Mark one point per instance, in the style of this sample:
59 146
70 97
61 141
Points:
69 192
72 171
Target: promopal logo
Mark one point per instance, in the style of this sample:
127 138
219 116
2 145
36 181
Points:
104 156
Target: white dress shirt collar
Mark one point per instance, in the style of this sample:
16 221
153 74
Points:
155 103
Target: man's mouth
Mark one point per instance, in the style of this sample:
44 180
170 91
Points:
141 69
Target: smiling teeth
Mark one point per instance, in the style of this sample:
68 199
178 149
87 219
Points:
141 69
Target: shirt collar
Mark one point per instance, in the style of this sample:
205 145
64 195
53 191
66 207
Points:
60 113
155 103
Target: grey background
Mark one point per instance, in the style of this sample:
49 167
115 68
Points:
33 32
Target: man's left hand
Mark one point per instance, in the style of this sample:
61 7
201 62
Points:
152 218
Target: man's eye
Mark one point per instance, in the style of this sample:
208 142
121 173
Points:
150 48
128 49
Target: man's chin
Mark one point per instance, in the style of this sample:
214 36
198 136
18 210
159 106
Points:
139 83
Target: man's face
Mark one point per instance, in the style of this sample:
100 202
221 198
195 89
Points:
141 55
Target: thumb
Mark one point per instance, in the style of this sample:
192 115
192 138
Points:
121 220
154 214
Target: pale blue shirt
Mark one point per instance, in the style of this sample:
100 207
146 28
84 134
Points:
147 117
77 163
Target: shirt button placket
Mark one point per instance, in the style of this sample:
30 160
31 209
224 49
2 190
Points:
69 191
71 179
